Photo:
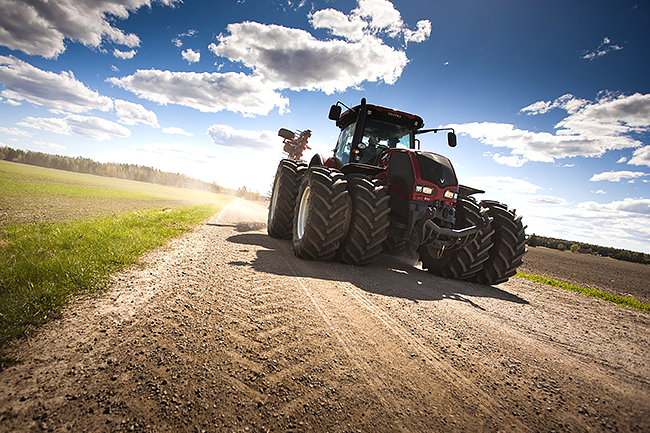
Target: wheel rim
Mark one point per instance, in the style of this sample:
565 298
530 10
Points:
274 200
303 213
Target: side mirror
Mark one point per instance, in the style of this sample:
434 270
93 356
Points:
335 112
451 139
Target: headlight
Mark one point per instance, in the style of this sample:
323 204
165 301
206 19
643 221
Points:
423 189
451 195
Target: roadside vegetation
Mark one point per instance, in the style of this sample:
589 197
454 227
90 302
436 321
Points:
619 300
75 230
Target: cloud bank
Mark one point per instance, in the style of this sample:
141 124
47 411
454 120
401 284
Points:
281 58
590 129
40 27
65 94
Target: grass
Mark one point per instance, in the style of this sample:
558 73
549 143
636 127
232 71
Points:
41 265
29 194
619 300
64 233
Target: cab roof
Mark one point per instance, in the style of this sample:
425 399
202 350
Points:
381 113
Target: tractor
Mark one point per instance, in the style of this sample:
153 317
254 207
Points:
379 193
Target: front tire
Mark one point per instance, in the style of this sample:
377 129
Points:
283 198
322 214
368 223
463 263
509 240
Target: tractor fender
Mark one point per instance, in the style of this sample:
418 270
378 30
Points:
316 161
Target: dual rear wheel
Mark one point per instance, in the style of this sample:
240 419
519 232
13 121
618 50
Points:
327 214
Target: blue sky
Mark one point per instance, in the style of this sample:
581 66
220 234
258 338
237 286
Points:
551 100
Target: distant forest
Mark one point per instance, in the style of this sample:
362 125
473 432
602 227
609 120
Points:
580 247
122 171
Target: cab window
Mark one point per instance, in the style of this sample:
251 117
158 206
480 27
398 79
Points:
345 143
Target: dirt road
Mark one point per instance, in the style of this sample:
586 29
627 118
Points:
227 330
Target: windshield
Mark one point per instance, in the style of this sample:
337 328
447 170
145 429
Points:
377 136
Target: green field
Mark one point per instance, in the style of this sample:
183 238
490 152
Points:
36 194
63 233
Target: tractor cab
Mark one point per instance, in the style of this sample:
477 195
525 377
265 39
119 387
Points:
368 130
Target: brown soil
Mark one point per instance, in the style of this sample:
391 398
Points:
607 275
226 330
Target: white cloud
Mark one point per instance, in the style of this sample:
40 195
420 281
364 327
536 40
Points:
207 92
281 58
600 191
12 102
49 146
53 124
294 59
339 24
586 220
15 131
605 47
626 207
131 114
509 160
124 54
421 34
617 176
382 16
63 91
590 130
41 27
224 135
641 156
546 200
87 126
567 102
502 183
621 160
176 130
370 18
178 41
191 56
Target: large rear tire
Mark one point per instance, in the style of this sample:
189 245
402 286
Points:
368 222
283 198
509 240
464 263
322 214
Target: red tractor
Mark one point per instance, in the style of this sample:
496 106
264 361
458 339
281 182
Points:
380 193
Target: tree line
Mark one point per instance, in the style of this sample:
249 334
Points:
580 247
121 171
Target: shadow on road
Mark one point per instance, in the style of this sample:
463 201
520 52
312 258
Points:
388 276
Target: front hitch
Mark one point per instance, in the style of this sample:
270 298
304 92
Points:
427 233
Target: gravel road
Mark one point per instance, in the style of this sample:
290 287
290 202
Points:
226 330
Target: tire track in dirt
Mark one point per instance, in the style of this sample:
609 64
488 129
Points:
388 354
